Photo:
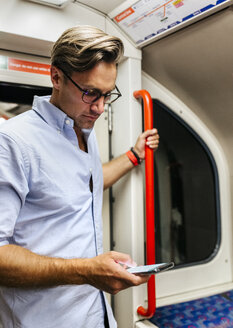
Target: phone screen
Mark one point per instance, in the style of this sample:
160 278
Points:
151 269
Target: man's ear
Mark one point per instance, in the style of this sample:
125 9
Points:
56 77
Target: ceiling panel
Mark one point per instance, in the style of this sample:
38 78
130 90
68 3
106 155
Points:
102 5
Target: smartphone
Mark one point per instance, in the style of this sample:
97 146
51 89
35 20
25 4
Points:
151 269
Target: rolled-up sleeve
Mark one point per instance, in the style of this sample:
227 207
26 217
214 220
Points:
13 185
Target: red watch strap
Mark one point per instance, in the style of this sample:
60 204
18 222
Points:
132 157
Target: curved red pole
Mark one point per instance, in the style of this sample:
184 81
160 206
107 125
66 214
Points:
150 210
4 116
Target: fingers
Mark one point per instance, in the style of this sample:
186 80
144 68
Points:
148 138
122 258
110 274
125 261
142 279
152 138
148 133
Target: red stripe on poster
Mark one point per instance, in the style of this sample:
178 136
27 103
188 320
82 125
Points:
28 66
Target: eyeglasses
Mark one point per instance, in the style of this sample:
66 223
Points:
90 96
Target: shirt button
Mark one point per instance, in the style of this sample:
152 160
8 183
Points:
90 169
67 122
59 131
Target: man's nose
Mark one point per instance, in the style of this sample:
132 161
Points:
98 105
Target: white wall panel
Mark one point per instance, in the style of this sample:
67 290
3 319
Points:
43 22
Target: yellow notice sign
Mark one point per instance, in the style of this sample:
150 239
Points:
178 3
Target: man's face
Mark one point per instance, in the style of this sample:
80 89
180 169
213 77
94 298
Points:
69 97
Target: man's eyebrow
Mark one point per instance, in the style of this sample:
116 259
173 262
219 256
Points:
86 87
111 89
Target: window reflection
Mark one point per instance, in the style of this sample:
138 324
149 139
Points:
186 189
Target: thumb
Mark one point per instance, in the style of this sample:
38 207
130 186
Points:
124 259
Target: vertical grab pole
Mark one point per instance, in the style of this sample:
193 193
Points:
150 209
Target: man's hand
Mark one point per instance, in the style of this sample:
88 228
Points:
118 167
148 138
22 268
105 273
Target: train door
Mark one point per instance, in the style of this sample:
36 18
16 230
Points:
195 186
193 193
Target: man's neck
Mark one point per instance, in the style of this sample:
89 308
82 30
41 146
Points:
81 140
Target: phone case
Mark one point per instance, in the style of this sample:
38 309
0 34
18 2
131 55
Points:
151 269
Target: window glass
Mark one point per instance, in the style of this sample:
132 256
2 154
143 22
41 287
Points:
17 98
186 193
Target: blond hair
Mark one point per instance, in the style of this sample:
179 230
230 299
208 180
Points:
80 48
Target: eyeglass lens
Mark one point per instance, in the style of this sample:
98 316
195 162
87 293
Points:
93 95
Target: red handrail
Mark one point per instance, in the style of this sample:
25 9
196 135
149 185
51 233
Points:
150 209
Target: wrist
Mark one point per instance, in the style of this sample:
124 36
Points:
75 271
133 157
139 159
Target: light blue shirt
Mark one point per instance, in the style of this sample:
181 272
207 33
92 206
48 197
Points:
47 207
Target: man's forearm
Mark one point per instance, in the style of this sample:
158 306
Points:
21 268
115 169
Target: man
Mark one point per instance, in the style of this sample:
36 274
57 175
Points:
52 270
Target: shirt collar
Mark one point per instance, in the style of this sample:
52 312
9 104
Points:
53 115
50 113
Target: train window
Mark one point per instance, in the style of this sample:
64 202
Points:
187 218
17 98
